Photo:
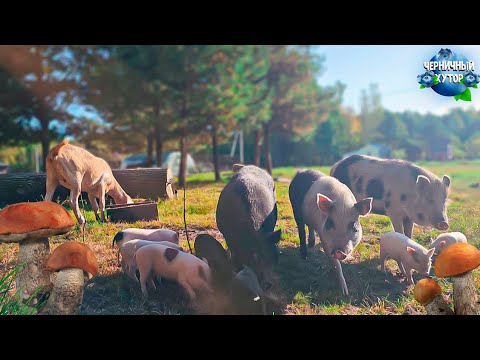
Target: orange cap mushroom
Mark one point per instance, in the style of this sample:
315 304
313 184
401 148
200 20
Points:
425 290
457 259
73 255
26 221
30 225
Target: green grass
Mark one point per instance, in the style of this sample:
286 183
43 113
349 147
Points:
9 304
305 286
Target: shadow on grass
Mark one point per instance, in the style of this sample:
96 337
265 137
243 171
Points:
116 294
317 282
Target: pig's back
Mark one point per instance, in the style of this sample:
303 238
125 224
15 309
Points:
299 187
350 169
162 235
247 207
159 258
458 236
387 181
393 241
449 238
141 233
396 243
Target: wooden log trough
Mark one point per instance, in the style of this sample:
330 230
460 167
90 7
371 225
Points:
148 183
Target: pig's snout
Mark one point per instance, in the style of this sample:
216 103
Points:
442 225
339 255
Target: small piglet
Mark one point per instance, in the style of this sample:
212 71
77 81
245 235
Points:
408 254
128 250
443 240
144 234
158 260
247 294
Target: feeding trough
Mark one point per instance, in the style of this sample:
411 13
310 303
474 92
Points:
141 211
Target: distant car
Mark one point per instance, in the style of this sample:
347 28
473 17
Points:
3 168
169 159
136 161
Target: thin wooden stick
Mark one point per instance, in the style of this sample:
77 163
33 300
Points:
185 217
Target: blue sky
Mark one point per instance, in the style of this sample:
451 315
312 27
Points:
394 68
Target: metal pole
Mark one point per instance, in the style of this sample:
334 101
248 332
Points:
241 147
234 145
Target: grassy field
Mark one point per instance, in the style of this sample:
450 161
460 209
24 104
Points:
305 286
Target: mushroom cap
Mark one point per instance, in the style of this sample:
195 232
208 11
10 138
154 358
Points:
457 259
25 221
73 255
425 290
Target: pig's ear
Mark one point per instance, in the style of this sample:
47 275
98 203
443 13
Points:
324 203
266 285
275 237
237 167
430 252
446 181
364 206
411 250
443 243
422 182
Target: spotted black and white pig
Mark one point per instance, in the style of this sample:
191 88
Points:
328 207
407 193
192 273
128 250
144 234
246 216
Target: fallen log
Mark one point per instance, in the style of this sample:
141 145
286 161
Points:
149 183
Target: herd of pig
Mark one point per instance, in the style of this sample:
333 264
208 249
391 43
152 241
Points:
329 206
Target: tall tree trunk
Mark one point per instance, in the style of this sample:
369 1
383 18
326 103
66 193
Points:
182 174
150 140
215 154
258 139
45 138
268 155
159 144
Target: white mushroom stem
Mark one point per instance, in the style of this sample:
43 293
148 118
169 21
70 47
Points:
465 295
33 276
438 306
67 294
